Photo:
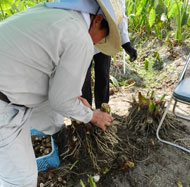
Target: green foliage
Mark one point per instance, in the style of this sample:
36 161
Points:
114 81
157 18
91 182
153 62
147 64
182 18
151 103
10 7
81 183
152 17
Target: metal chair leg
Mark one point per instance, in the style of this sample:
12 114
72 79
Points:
174 107
159 126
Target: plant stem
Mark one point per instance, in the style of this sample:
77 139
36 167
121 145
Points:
2 11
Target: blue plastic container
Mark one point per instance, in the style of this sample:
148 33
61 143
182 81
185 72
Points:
50 160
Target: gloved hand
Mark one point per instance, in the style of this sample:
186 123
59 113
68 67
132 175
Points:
130 51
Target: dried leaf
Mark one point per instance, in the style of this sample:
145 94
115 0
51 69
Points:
106 170
152 142
129 164
149 120
143 101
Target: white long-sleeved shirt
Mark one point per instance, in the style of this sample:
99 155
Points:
45 54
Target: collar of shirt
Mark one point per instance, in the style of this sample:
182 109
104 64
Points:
86 17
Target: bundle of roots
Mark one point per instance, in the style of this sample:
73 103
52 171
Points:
145 114
87 139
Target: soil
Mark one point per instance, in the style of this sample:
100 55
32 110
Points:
155 164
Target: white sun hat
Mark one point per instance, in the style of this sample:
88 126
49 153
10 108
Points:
112 12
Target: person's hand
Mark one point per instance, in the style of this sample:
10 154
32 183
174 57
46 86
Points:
101 119
85 102
130 51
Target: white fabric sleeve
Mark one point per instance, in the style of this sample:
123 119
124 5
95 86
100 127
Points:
123 26
66 84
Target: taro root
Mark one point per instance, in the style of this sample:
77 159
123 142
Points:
90 141
41 145
145 115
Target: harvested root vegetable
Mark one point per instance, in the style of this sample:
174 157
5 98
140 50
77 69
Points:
41 145
98 145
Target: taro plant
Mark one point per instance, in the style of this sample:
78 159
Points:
182 18
89 141
146 113
157 17
177 13
10 7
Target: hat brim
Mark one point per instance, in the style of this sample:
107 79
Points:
112 43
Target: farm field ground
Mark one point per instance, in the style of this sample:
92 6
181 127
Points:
155 164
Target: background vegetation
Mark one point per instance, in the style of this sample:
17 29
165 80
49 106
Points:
161 18
10 7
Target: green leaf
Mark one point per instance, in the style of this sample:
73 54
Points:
152 95
159 10
157 109
91 182
173 11
114 81
147 65
114 59
184 19
81 183
151 106
139 10
152 17
130 9
6 3
167 2
162 98
148 93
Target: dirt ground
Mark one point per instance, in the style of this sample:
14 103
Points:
163 166
155 164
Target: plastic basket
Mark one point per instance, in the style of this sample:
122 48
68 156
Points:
50 160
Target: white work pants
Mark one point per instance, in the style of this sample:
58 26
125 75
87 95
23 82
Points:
18 166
